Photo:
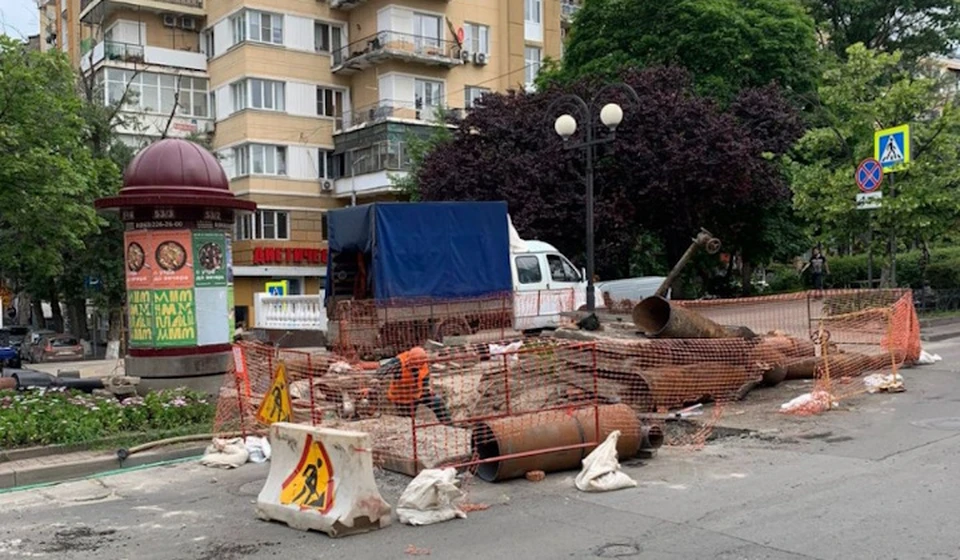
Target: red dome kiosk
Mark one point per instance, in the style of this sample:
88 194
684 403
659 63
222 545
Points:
178 214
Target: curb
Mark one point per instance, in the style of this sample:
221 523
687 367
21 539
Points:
13 476
938 337
938 322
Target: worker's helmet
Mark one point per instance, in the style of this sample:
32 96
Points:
417 355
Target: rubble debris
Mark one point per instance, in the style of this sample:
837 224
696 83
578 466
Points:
535 476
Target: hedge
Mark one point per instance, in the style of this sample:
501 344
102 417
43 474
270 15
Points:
943 271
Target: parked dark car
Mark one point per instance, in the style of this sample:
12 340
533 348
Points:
9 354
57 348
17 335
31 339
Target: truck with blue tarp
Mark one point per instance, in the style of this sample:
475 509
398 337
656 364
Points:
419 271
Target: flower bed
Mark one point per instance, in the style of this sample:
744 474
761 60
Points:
57 416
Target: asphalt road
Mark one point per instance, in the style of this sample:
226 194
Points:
876 479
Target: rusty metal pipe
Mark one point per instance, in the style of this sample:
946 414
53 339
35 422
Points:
530 433
652 438
704 239
658 318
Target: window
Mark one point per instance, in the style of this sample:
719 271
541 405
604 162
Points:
531 11
264 224
429 97
476 38
261 27
322 156
528 270
561 270
208 43
472 94
193 97
330 103
267 94
260 159
323 226
155 93
326 37
531 57
336 164
427 30
258 94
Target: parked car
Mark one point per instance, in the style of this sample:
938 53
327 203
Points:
30 340
17 335
57 348
9 355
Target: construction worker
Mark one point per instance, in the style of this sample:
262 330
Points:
409 387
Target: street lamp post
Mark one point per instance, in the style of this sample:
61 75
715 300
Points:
611 115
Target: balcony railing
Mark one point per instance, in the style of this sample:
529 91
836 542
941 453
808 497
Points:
386 155
290 312
399 110
124 52
187 3
394 45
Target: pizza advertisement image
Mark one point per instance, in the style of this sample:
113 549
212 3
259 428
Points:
173 259
209 259
138 259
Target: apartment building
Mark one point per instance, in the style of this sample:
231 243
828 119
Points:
311 103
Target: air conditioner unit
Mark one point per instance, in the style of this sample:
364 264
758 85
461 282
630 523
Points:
480 58
169 20
188 23
326 185
465 55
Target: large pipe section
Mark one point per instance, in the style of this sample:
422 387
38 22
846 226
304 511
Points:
703 239
657 318
518 439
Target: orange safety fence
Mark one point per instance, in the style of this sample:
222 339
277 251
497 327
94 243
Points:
508 387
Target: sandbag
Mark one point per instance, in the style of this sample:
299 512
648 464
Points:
225 453
601 470
430 497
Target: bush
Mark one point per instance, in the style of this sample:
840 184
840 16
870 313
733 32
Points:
56 416
941 273
783 278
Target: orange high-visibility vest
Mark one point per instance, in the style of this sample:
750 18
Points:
408 389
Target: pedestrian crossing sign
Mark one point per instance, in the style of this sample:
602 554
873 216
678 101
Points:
891 147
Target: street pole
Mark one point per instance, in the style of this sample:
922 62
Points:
893 237
591 296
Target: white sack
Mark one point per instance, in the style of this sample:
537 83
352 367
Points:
225 453
601 470
927 359
430 497
258 448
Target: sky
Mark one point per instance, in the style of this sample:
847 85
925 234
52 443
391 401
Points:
18 18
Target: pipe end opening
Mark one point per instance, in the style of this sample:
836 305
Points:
486 446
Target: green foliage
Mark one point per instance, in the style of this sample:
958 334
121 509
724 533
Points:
48 176
916 27
783 278
417 148
942 272
44 417
727 45
869 91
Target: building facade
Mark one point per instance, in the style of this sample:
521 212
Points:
310 103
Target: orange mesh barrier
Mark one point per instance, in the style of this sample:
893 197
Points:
515 390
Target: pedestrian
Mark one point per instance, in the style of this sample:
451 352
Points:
409 375
818 268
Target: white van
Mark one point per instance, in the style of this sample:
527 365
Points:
545 284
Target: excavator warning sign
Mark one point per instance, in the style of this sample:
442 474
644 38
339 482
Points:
276 403
310 485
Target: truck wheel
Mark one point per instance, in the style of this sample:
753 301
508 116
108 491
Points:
451 327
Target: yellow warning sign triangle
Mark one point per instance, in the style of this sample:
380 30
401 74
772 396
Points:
311 484
276 403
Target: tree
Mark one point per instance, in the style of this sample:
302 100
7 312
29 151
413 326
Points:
870 91
916 28
727 45
48 176
679 162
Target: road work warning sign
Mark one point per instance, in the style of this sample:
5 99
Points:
310 485
276 403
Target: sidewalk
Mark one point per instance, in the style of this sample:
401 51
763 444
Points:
87 368
939 328
41 468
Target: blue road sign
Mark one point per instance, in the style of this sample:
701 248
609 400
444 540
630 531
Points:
869 175
891 147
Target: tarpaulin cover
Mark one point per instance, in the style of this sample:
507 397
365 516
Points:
443 250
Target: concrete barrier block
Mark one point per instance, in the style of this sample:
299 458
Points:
321 479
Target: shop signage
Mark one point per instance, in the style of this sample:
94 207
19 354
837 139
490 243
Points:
276 255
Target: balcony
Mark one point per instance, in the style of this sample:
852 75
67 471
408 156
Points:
114 51
392 45
401 111
345 5
290 312
567 9
97 11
